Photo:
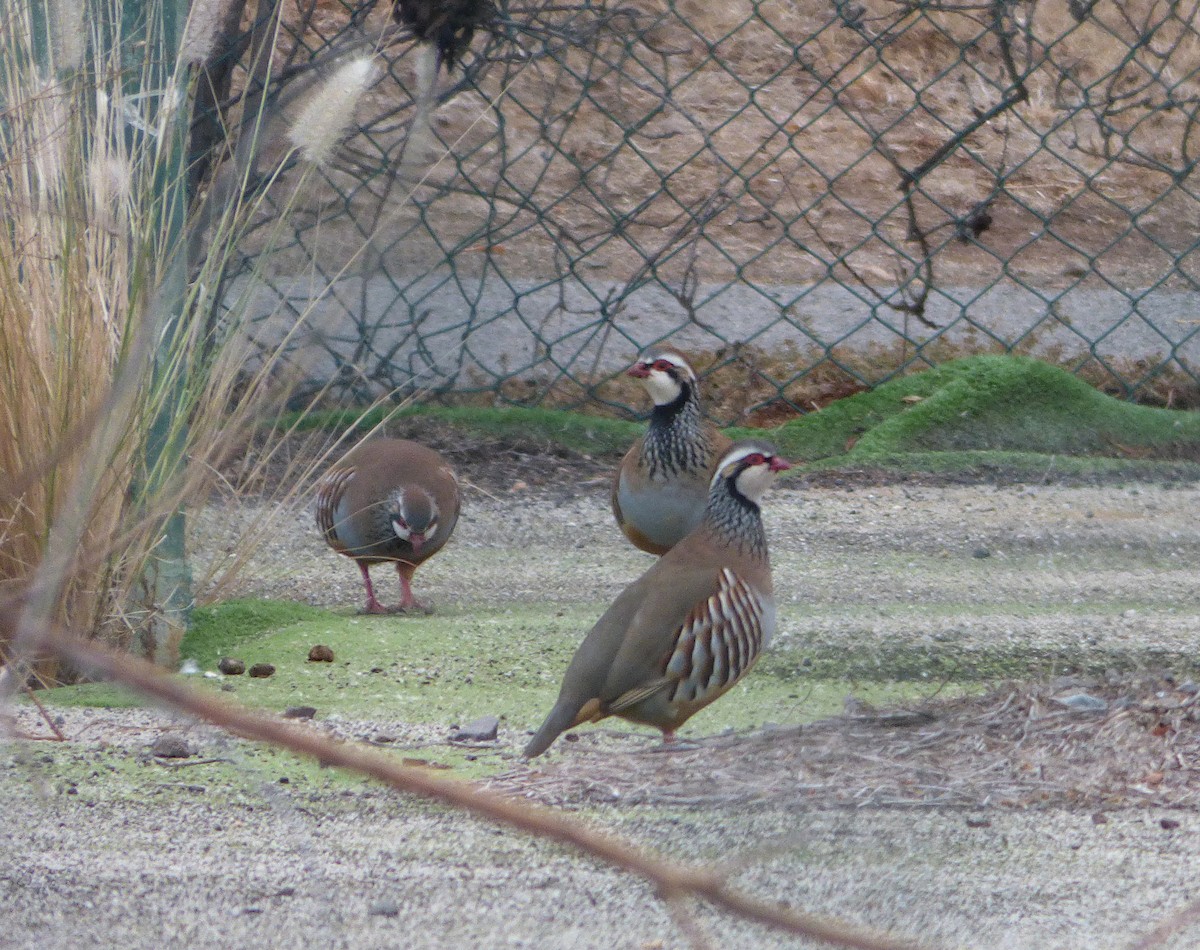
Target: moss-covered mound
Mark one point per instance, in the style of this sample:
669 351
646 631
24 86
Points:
985 412
1001 408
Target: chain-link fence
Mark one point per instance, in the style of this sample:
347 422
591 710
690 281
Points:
810 196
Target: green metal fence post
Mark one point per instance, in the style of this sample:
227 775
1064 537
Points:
166 582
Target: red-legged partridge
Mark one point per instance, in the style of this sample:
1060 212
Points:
660 490
388 500
692 625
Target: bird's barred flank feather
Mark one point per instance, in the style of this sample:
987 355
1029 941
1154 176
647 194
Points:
690 627
718 643
329 495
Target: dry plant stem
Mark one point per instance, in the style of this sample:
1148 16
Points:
64 544
1017 94
671 881
45 714
1190 914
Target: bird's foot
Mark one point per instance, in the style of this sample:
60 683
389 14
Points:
672 743
411 607
373 608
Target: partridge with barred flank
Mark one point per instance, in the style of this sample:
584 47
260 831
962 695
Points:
690 627
661 488
388 500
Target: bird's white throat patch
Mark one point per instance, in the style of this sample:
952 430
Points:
663 388
754 481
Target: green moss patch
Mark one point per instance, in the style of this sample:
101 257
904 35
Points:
232 625
998 410
452 667
977 417
94 695
593 435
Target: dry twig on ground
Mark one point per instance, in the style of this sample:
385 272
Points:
672 881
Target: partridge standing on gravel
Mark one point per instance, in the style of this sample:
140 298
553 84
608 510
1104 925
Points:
692 625
660 490
388 500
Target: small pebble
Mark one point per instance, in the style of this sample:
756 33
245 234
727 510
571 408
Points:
262 670
231 666
385 909
1082 702
299 712
320 654
981 553
1168 824
483 729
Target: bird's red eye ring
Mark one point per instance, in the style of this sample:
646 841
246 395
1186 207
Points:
663 366
756 458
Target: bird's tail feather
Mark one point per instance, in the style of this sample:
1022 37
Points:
562 717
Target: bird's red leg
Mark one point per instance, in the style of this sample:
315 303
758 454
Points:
672 743
373 605
407 600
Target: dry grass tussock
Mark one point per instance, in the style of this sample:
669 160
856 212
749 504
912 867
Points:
1128 742
122 398
71 275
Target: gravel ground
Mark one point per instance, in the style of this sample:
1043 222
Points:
859 568
1033 567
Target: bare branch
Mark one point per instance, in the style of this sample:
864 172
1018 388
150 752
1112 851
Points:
670 879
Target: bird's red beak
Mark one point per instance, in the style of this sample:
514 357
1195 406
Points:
416 540
638 371
779 464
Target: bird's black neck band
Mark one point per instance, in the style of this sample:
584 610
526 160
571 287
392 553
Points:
736 518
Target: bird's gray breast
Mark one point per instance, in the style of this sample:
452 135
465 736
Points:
664 511
364 533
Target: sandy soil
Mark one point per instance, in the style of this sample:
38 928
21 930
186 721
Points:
878 825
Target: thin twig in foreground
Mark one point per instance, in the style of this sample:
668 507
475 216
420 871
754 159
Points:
1169 927
58 734
671 880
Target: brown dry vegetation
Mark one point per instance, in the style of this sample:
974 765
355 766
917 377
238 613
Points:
683 147
1019 746
795 120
